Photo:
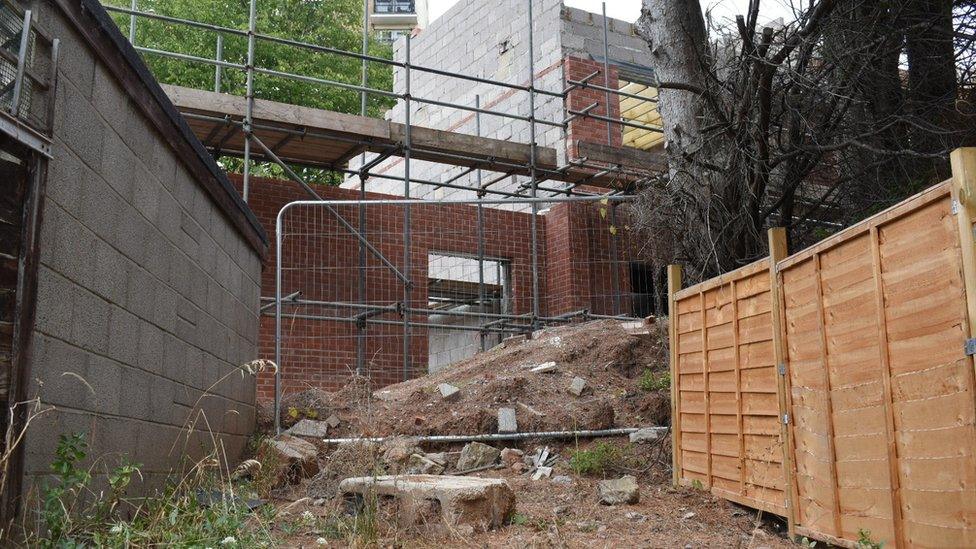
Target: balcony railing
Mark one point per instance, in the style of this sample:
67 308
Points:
28 68
394 7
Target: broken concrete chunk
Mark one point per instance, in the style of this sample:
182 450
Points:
309 428
617 491
578 386
506 421
332 421
300 456
511 456
481 503
448 391
542 472
645 435
476 455
421 464
545 367
398 451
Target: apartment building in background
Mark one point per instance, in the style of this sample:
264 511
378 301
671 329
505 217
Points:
391 19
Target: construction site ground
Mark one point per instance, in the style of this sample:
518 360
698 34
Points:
622 365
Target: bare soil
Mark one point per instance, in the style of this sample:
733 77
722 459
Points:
605 354
549 513
554 514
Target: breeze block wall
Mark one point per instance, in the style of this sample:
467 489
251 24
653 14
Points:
147 293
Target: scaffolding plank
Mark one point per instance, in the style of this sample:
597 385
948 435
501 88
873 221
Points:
327 138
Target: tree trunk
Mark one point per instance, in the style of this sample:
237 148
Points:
931 79
675 33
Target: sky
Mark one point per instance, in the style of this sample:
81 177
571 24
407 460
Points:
629 10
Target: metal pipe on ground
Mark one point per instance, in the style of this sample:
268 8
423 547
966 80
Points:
586 433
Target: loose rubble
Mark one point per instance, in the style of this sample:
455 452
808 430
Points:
619 491
448 391
642 436
578 386
300 457
476 455
506 421
309 428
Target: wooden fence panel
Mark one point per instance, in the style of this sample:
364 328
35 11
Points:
727 435
840 390
875 338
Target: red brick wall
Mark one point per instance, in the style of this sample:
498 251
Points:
322 262
584 128
325 263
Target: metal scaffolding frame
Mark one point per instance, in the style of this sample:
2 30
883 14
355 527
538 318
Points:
254 149
363 314
537 174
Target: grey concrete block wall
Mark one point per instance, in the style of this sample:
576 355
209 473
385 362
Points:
489 39
147 293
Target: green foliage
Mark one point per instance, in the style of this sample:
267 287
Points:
595 461
806 542
697 484
651 381
864 540
333 23
72 514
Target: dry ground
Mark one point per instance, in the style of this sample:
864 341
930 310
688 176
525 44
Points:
553 514
548 513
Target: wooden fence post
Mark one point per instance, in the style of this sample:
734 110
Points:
674 285
964 197
777 252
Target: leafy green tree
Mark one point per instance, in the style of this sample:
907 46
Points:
332 23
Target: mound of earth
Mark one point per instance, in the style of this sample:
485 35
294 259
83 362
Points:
609 355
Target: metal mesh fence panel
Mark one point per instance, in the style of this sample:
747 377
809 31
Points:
359 294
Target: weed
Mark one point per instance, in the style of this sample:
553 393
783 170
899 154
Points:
807 542
518 519
72 514
595 461
697 484
651 381
864 540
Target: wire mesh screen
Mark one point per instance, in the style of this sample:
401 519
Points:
11 26
392 290
34 88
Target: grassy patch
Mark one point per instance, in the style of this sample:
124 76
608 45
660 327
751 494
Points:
595 461
652 381
72 513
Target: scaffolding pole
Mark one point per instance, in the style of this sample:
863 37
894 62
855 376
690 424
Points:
364 80
536 311
249 100
614 258
406 209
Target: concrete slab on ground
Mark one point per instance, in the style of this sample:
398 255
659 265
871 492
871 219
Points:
482 503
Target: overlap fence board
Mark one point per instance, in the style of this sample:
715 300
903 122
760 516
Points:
876 388
726 433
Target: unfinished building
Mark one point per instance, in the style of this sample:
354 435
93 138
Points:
425 285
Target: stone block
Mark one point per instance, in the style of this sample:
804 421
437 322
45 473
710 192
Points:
618 491
506 420
479 503
475 455
448 391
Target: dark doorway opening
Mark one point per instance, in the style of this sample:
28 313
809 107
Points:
643 290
